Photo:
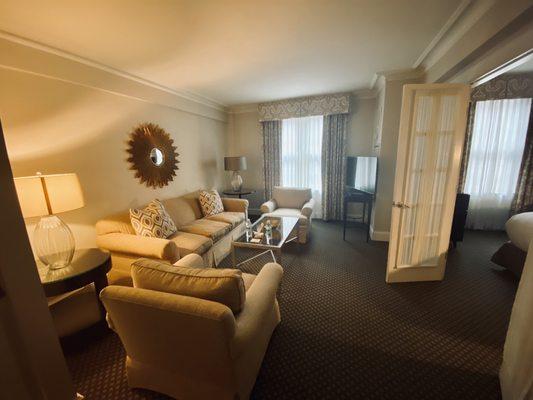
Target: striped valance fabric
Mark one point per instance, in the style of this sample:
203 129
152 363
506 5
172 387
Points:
305 106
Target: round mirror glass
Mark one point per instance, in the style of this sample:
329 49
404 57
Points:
156 156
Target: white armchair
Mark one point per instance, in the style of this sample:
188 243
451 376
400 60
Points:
292 202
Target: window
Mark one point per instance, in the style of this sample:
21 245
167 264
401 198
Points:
498 138
301 156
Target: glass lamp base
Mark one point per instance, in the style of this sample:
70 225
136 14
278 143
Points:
236 181
54 242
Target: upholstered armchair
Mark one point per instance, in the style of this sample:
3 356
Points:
192 332
292 202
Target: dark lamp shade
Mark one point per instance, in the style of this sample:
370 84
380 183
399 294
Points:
235 163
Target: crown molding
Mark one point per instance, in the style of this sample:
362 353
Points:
395 75
243 108
187 95
503 69
364 93
443 32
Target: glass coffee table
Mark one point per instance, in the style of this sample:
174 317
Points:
283 231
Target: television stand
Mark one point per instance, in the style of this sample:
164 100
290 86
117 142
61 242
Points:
358 196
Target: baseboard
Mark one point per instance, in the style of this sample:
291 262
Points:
379 236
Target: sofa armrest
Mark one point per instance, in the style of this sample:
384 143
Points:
260 299
268 206
141 246
191 260
307 209
235 205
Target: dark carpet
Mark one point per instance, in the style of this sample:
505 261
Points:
346 334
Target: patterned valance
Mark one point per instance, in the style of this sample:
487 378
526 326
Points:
510 86
305 106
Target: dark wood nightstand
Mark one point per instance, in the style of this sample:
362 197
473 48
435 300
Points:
88 266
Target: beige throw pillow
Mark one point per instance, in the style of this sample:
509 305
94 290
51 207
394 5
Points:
224 286
210 202
152 221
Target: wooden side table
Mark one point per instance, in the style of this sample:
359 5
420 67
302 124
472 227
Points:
358 197
240 193
88 266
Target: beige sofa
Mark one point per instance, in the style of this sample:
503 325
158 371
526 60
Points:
292 202
209 237
188 347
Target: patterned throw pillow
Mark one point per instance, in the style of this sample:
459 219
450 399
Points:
152 221
211 203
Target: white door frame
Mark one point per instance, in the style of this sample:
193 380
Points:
416 273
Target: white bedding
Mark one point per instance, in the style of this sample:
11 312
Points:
520 229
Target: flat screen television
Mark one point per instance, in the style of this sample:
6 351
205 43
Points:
361 173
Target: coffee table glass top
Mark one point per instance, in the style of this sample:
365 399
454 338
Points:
281 231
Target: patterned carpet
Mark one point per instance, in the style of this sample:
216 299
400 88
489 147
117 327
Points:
346 334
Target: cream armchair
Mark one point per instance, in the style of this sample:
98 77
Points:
188 347
292 202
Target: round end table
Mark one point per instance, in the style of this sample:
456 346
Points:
88 266
240 193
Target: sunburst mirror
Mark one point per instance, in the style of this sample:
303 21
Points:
152 155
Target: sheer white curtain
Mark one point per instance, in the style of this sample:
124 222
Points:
498 138
301 156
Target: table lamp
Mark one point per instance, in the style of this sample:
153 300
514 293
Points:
235 164
44 196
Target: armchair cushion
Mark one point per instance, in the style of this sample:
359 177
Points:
224 286
287 197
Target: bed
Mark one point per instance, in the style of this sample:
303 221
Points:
512 255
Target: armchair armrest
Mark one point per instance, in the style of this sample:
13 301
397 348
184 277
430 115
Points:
260 299
141 246
268 206
191 260
235 205
307 209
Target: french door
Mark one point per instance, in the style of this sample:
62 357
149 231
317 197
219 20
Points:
432 130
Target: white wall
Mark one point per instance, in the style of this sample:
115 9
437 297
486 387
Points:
245 139
53 126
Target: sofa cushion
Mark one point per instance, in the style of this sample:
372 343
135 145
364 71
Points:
287 197
210 202
229 217
184 209
205 227
224 286
188 243
152 221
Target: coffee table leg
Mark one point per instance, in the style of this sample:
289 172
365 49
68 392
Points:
99 284
278 256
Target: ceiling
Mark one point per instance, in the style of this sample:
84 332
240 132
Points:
237 51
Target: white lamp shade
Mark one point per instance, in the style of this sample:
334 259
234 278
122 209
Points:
48 194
